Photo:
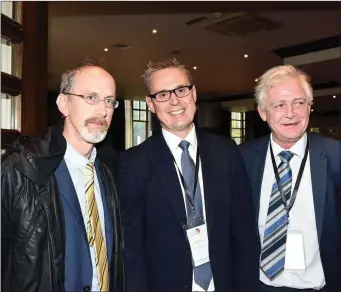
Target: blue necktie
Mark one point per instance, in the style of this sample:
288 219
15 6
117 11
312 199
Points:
203 273
275 234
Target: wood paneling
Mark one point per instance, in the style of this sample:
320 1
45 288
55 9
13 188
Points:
10 84
11 30
34 71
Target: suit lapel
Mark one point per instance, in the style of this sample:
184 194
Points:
162 159
318 179
258 165
68 192
108 219
208 169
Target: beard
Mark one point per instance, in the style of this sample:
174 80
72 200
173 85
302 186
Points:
96 135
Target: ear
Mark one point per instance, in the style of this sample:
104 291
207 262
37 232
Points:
150 104
262 112
62 104
194 93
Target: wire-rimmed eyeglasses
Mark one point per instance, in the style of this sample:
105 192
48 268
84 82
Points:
165 95
93 99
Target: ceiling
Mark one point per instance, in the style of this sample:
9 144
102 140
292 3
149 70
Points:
79 29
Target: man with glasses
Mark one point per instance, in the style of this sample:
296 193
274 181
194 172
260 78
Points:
186 203
61 228
295 178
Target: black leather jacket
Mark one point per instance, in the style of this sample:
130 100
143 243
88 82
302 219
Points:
32 223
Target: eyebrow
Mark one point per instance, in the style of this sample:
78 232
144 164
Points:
95 93
284 100
179 86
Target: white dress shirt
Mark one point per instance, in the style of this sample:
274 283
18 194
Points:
75 161
302 218
173 142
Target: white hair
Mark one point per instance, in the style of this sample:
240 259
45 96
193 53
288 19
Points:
271 77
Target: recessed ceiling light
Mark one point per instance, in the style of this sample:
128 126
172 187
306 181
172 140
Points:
334 96
195 68
106 49
256 80
154 31
246 55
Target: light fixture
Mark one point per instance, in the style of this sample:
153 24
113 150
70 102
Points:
106 49
195 67
256 80
154 31
312 110
334 96
246 55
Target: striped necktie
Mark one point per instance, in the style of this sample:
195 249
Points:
94 230
275 234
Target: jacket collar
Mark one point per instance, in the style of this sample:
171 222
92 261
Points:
39 157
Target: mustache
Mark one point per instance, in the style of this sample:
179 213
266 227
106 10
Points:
97 120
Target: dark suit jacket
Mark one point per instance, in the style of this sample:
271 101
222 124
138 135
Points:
157 255
78 267
325 177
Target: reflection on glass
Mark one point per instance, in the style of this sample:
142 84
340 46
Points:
236 132
9 57
237 140
10 112
136 115
143 105
143 116
136 104
236 124
139 132
235 116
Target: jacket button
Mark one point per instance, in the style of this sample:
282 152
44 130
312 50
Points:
86 288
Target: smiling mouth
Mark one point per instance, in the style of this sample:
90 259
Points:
178 112
290 124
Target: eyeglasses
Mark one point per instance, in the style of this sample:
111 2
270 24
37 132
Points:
165 95
93 99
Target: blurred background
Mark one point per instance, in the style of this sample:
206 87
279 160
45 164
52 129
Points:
226 45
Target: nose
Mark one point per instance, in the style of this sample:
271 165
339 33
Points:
174 100
290 111
102 110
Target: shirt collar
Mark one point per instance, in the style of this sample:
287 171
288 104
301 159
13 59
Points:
173 141
77 159
298 148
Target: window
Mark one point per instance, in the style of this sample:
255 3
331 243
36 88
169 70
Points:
238 127
11 59
141 122
138 122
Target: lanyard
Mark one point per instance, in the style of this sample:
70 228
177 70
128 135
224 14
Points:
189 196
298 180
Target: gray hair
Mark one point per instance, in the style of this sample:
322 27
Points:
68 76
273 75
153 67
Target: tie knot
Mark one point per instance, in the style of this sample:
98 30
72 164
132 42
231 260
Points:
88 169
184 145
286 156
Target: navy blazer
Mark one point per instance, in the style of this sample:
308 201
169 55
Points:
325 177
157 255
78 267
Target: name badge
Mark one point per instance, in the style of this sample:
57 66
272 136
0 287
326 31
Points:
294 251
198 241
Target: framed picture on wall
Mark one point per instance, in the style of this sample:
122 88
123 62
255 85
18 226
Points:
315 130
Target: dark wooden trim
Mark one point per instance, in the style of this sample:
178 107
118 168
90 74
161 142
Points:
34 68
11 84
69 8
11 30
